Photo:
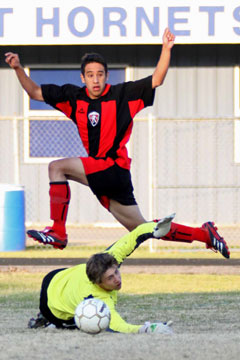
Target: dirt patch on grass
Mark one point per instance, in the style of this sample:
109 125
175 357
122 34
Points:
204 328
138 269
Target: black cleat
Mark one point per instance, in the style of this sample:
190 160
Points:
40 321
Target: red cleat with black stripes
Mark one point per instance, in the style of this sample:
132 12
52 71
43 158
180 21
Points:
49 237
216 243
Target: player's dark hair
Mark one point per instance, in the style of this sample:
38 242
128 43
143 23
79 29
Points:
93 57
98 264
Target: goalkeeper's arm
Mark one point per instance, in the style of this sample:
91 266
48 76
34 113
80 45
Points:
117 324
128 243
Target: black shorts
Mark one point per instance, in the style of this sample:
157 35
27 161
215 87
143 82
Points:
112 183
46 312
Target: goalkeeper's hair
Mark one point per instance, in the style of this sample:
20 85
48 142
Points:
90 58
98 264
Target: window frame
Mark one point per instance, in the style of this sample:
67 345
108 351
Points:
42 115
237 91
237 114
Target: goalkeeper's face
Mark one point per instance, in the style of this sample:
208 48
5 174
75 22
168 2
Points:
111 279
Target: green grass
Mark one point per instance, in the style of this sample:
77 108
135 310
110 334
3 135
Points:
142 252
179 283
203 300
203 309
21 283
197 304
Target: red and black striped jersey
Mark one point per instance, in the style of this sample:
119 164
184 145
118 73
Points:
104 124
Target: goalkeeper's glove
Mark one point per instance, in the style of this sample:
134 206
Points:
163 226
156 328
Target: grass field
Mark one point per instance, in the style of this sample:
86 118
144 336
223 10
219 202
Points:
204 308
21 282
72 251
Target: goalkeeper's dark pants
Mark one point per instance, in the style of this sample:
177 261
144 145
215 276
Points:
44 309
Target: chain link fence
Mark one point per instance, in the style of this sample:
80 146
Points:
179 165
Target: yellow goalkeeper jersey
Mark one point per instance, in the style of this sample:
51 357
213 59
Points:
70 286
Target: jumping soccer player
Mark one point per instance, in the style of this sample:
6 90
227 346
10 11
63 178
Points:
63 289
104 117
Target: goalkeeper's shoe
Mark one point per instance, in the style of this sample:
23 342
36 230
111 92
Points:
49 237
40 321
216 242
163 226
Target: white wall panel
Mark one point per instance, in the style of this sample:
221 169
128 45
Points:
193 169
11 99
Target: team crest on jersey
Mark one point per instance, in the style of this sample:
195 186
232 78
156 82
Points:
93 118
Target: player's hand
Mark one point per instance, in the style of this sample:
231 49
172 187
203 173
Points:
156 328
163 226
168 38
12 60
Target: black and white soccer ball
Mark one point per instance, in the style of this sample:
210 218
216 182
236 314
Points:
92 316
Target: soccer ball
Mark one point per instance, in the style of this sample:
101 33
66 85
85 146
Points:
92 316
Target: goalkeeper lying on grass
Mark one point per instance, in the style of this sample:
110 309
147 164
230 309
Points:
63 289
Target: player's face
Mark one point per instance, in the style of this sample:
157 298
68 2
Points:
111 279
95 79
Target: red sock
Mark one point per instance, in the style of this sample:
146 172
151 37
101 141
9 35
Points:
59 201
184 233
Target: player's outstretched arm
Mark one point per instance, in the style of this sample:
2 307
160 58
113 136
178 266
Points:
130 242
117 324
33 90
164 60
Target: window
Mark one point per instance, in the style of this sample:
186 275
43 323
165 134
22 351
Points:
237 114
48 133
